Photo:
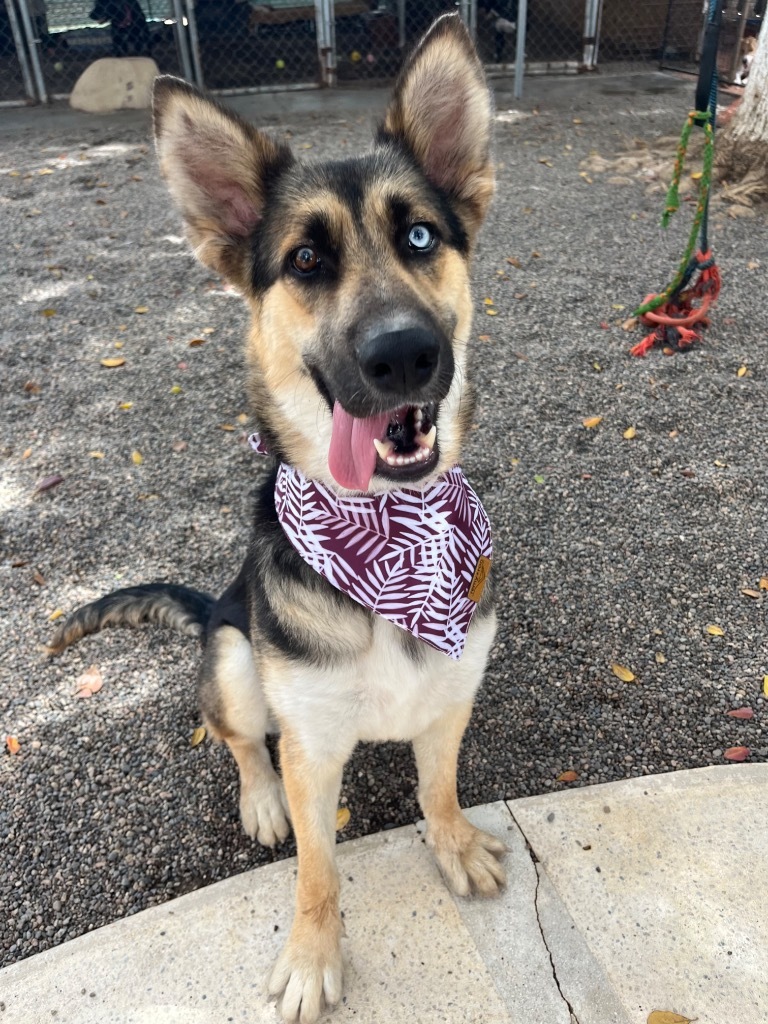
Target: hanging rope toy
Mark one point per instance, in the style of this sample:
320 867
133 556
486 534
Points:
678 313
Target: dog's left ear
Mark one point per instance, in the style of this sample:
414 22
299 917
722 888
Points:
441 111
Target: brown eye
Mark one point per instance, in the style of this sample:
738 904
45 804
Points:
305 260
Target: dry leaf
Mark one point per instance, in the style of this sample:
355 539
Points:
629 433
32 387
483 337
197 736
12 744
176 389
208 330
49 482
487 301
26 453
492 312
763 584
765 686
242 419
661 659
591 422
514 261
113 361
622 673
226 426
56 615
48 312
89 682
196 342
137 458
96 455
342 818
715 630
741 372
577 120
743 713
125 405
569 776
750 593
141 309
38 578
696 176
630 323
668 1017
179 446
736 753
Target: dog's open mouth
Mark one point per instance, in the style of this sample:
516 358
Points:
399 445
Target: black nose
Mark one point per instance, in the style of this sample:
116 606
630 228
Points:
399 362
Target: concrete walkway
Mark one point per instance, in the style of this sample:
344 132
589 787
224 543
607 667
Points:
624 898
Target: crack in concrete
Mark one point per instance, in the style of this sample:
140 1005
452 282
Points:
535 860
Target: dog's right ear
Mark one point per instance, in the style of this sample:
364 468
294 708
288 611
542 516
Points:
217 167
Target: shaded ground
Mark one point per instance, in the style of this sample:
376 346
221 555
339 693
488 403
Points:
608 549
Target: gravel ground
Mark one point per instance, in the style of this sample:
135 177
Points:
608 549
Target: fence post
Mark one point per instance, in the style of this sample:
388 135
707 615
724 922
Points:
522 23
34 55
182 43
593 10
194 44
325 24
21 50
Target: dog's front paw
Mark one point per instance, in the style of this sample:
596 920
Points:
307 974
468 857
264 811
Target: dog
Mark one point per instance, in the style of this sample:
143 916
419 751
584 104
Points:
748 48
356 274
130 32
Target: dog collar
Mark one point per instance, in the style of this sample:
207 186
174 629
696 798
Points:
419 559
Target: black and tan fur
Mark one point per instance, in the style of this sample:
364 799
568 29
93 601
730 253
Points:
282 647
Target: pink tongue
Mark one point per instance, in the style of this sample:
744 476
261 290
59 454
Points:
352 457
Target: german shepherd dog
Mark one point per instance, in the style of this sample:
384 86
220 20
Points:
356 274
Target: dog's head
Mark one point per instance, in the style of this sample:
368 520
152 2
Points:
356 271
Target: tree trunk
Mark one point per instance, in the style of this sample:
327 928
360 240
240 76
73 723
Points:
742 146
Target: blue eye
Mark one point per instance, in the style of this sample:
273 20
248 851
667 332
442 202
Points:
421 237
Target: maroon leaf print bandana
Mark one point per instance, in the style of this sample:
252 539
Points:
419 559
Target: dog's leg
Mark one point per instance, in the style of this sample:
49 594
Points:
233 705
309 967
468 857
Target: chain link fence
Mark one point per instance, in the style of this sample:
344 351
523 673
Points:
229 46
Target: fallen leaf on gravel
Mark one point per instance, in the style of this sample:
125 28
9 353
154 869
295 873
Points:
741 372
487 301
141 309
483 337
661 659
591 421
569 776
137 458
535 255
514 261
744 713
492 312
720 464
208 330
622 673
13 744
737 753
179 446
668 1017
342 818
629 433
32 387
597 367
753 265
113 361
715 630
196 342
176 389
38 578
539 479
577 120
688 473
89 682
96 455
629 324
56 615
26 453
765 686
125 405
750 593
226 426
119 344
242 419
48 312
197 736
49 482
763 584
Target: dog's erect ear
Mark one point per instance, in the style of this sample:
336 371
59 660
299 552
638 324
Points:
217 167
442 111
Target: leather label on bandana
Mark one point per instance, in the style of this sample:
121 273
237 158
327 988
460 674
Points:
479 577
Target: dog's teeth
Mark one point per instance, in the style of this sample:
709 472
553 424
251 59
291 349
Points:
428 440
384 448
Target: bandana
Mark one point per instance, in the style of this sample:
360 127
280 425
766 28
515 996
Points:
419 559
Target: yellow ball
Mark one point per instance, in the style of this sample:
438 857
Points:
279 64
58 66
355 56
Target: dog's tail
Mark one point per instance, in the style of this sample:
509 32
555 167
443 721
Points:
162 604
